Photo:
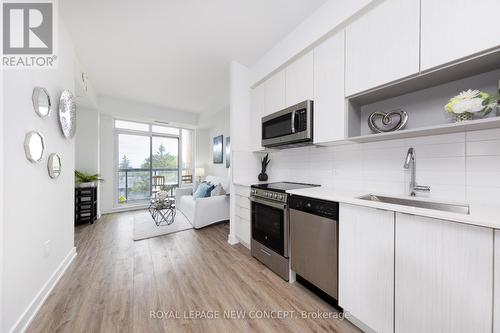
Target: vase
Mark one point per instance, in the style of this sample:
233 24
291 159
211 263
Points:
458 117
262 176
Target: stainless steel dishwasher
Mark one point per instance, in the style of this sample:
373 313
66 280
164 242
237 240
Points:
314 242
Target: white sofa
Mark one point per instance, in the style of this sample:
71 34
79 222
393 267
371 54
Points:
203 211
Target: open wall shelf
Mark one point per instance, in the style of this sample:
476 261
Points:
425 110
464 126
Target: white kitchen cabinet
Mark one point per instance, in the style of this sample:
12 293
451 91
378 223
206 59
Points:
366 265
443 276
453 29
496 296
242 214
383 45
256 113
329 101
299 80
274 88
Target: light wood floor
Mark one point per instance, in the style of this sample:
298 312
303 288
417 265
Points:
114 283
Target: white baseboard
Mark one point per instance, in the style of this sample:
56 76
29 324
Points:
242 242
232 239
358 323
123 209
29 314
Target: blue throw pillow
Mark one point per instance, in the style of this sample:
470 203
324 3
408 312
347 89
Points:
203 190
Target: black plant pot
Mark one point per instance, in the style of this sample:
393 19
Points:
262 176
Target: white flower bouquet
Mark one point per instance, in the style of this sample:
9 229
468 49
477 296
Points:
470 102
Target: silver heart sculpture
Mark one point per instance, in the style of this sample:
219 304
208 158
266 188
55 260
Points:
388 121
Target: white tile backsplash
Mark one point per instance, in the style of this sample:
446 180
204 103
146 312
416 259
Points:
458 166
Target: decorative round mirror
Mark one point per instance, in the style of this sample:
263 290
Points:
34 146
67 114
54 165
41 102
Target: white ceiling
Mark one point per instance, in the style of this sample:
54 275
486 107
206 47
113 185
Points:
176 53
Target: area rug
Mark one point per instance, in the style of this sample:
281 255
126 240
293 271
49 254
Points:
145 227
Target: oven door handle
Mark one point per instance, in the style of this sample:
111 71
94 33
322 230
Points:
268 203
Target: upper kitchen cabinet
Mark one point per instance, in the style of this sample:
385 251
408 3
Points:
274 89
256 113
366 265
454 29
444 276
329 102
383 45
299 80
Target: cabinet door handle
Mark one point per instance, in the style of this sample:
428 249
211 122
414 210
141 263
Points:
265 252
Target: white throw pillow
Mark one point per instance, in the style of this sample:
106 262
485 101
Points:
218 190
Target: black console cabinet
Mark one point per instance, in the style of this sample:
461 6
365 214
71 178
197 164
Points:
85 205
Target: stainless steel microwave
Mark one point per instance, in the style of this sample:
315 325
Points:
290 127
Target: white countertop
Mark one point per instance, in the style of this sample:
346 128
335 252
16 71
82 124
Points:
480 215
251 182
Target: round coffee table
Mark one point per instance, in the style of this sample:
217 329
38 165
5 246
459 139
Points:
162 211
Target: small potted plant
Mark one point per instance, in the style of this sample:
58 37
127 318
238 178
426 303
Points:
86 180
264 163
470 102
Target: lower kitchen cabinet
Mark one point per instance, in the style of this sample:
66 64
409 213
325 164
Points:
366 265
443 276
242 214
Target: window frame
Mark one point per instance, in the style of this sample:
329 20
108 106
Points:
150 134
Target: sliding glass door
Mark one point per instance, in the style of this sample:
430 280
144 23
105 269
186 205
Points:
134 175
146 150
166 159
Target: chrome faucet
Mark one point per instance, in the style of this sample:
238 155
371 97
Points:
410 163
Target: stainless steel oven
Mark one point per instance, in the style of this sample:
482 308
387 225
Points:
270 225
292 126
270 234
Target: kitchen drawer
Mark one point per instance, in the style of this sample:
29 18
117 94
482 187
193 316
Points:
271 259
243 191
243 213
242 201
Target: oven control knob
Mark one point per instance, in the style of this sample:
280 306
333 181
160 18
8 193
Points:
267 194
280 197
275 196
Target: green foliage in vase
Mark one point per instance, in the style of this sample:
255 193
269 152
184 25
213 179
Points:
82 177
265 162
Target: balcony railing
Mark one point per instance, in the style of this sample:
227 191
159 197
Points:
134 184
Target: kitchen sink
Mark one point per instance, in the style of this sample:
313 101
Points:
453 208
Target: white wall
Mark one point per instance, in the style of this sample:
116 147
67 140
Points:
106 163
37 209
87 145
210 126
86 96
325 20
203 148
87 140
